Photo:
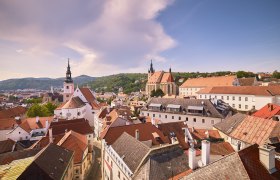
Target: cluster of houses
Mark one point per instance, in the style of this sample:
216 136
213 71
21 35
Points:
216 128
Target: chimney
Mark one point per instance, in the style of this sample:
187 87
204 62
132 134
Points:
205 152
173 140
137 135
153 121
37 119
47 124
192 154
66 130
271 107
267 157
50 136
207 134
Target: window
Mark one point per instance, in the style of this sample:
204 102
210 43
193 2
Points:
78 113
239 98
119 174
194 119
148 114
233 98
187 118
165 116
200 96
246 106
222 97
142 114
212 121
77 171
233 105
227 97
19 132
154 115
172 117
67 95
239 106
67 87
253 107
159 115
179 117
203 120
246 98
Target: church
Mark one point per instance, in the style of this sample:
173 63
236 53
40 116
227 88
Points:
161 80
79 103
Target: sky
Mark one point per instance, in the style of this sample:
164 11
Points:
103 37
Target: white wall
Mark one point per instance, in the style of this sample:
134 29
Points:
189 91
246 103
18 134
114 165
192 121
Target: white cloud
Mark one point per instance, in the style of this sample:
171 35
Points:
110 36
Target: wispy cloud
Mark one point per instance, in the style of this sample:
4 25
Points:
109 36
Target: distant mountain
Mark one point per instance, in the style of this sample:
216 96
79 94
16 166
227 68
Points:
40 83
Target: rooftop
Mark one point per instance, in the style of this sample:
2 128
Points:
210 81
268 111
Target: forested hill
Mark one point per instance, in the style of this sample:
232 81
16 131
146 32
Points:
40 83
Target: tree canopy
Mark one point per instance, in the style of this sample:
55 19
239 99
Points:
157 93
41 110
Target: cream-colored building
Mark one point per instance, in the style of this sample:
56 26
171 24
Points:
191 86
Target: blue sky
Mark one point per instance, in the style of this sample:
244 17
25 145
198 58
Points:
114 36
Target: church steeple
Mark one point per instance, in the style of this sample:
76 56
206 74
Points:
151 70
68 78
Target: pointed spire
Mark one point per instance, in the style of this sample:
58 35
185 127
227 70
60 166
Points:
68 78
151 67
170 69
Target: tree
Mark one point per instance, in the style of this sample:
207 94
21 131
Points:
276 74
241 74
157 93
41 110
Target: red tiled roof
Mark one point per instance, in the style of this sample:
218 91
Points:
209 81
8 123
78 125
268 111
75 142
156 77
200 133
145 133
255 169
221 148
248 90
12 112
30 123
256 130
73 103
167 77
87 94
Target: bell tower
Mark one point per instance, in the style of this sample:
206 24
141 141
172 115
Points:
151 71
68 85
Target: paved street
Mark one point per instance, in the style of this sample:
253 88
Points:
95 171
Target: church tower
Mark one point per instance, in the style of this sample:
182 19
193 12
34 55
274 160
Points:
151 71
68 85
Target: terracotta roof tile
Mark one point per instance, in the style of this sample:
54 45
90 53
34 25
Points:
30 123
87 94
8 123
248 90
209 81
167 77
268 111
247 81
145 133
12 112
78 125
255 130
156 77
73 103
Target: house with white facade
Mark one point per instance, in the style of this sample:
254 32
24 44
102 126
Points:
243 98
191 86
82 104
30 129
127 158
197 113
